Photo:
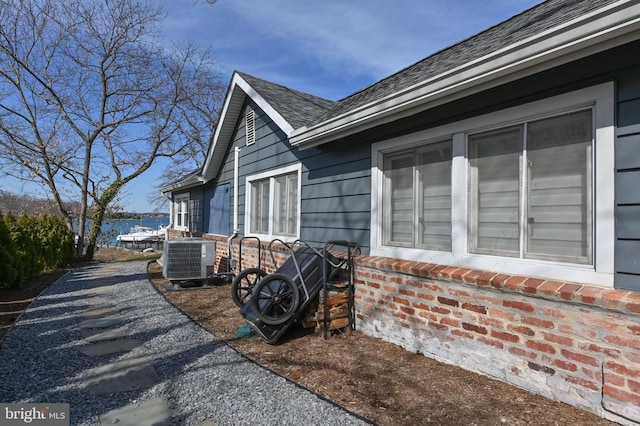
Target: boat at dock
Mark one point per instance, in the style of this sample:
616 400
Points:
142 234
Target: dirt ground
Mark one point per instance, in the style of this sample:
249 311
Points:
376 380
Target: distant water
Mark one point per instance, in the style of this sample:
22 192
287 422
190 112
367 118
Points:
112 228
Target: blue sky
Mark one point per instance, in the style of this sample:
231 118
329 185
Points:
329 48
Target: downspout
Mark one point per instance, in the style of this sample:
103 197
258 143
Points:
236 176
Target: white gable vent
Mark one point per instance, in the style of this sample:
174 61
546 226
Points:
250 127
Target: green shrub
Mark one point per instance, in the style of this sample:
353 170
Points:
9 269
32 244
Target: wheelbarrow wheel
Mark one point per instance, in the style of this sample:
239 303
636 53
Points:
275 299
243 285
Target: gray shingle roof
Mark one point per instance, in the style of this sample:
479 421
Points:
297 108
528 23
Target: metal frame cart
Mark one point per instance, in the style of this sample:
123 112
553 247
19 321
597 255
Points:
279 300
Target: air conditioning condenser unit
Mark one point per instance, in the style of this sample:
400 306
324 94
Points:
187 259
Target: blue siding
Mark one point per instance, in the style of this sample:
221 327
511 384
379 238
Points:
336 178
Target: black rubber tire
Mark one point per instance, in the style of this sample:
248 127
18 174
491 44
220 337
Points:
243 285
275 299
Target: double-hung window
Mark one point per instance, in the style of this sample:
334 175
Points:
181 212
527 190
273 203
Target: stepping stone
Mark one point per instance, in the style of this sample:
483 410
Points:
100 312
111 347
96 290
155 412
121 376
92 335
102 322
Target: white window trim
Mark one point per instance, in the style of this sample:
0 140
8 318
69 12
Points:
179 199
267 175
601 97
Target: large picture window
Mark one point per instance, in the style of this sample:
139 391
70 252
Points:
530 189
273 203
527 190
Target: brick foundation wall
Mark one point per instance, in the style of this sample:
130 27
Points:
574 343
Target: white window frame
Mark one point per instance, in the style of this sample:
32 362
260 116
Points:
181 200
272 174
600 272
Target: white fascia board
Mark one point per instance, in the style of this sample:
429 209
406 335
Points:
239 89
599 30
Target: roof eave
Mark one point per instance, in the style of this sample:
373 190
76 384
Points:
599 30
239 90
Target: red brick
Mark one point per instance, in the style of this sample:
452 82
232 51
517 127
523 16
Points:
405 292
438 326
505 336
530 286
615 380
447 301
472 276
451 322
538 322
632 301
446 273
475 308
541 347
459 273
484 278
621 395
542 368
589 294
408 310
550 288
459 333
413 283
474 327
457 292
581 358
492 322
622 369
494 343
435 271
622 341
634 386
552 312
527 307
395 280
594 374
561 340
523 353
399 315
401 300
497 281
592 347
567 291
425 296
612 299
583 382
569 366
499 313
420 306
514 283
440 310
522 330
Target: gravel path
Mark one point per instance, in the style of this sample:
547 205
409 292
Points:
203 380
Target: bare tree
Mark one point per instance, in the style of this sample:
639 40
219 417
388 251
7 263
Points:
90 98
